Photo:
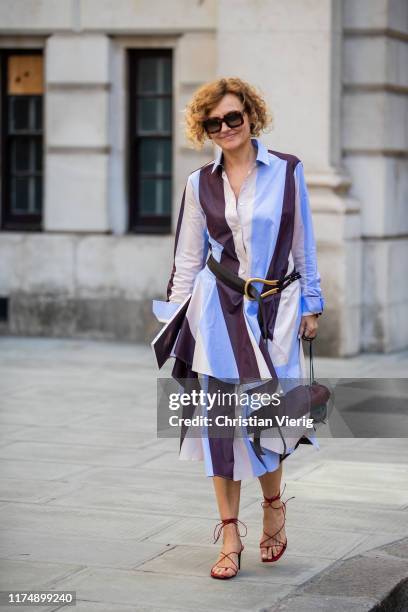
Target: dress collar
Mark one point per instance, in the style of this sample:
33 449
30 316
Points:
261 156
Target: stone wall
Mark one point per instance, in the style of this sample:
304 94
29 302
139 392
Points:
334 73
375 144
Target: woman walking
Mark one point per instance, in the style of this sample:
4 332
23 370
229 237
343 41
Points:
245 215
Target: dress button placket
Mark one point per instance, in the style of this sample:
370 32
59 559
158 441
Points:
240 203
239 233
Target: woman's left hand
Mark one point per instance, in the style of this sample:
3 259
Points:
308 326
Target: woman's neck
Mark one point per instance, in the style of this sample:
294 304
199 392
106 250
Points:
241 157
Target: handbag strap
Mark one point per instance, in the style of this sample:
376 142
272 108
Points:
311 367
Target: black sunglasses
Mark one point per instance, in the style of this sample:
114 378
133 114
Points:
233 119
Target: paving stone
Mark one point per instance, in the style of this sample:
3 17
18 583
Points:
91 455
81 435
86 351
350 493
336 515
188 495
302 603
15 575
5 442
367 454
114 422
360 576
393 444
17 413
170 461
81 426
196 561
396 549
127 587
325 543
12 608
373 540
17 489
137 500
328 543
357 449
8 431
155 479
10 383
41 380
91 524
33 546
39 470
360 474
94 606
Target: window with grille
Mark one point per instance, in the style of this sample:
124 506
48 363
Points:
22 139
150 140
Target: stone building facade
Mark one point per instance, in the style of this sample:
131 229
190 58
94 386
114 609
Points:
83 249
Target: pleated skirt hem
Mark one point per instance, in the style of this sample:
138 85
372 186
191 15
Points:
246 463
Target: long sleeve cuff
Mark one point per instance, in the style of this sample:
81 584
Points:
312 305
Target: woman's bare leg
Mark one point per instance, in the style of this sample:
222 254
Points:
228 495
273 519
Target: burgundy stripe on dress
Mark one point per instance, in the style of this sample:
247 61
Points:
221 440
185 345
211 190
279 263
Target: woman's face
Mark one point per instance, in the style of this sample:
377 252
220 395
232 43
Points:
230 138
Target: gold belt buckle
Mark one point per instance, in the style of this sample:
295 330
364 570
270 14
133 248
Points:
265 282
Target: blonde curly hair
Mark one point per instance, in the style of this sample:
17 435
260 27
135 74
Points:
210 94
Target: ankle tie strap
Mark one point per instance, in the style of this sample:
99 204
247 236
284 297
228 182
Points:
220 526
268 500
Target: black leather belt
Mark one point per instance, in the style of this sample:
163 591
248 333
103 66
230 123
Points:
246 287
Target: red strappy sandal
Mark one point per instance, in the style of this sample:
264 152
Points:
220 527
267 503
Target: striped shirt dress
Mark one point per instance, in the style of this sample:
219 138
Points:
213 332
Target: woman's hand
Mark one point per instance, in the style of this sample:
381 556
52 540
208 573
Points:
308 326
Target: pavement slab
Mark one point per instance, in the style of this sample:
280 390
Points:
323 603
80 523
102 552
136 587
331 492
135 499
92 501
362 580
359 473
80 435
362 574
325 543
196 560
83 454
20 574
40 470
19 489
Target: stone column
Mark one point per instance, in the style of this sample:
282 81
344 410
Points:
292 52
195 58
77 146
375 140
